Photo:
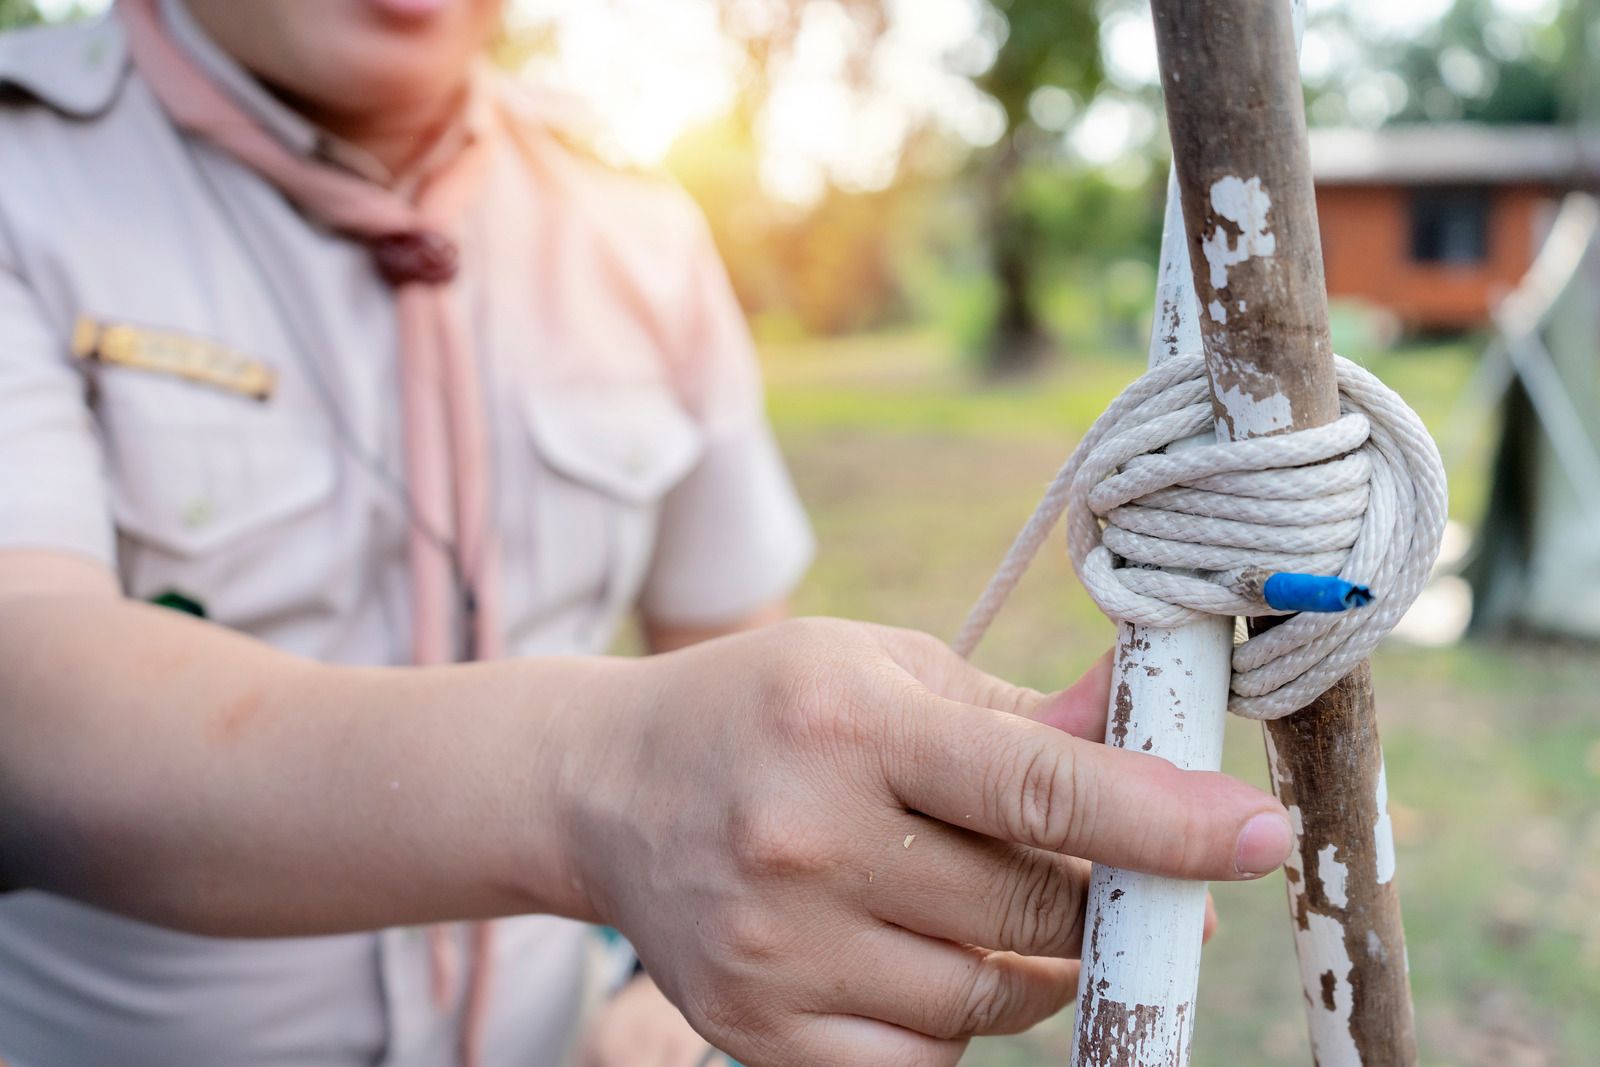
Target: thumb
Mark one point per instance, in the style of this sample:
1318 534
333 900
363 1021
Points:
1080 709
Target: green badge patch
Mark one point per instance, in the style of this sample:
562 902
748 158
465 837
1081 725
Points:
180 602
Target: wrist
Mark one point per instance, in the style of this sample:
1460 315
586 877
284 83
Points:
587 744
486 767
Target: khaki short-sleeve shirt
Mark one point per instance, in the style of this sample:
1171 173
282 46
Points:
151 289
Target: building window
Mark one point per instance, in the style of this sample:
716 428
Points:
1450 225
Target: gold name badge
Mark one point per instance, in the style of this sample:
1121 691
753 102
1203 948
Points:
179 355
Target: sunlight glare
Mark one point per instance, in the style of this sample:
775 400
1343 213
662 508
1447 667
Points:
1111 127
648 70
651 70
1128 45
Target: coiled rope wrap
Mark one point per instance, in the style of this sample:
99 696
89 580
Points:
1199 529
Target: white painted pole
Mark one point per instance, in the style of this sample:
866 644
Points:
1169 697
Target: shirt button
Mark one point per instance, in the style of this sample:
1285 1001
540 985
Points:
198 513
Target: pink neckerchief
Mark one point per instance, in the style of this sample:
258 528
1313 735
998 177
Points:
446 440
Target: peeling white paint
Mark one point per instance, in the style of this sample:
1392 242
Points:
1218 312
1294 867
1143 933
1375 948
1332 1043
1383 831
1333 875
1177 321
1245 204
1320 949
1280 773
1255 416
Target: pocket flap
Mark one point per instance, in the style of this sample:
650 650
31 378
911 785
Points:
631 442
191 490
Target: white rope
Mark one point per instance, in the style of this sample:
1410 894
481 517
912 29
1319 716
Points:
1362 498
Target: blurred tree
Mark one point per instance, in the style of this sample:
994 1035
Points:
1476 67
827 268
15 13
1483 61
1049 46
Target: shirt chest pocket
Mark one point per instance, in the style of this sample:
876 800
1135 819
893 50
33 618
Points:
582 526
228 506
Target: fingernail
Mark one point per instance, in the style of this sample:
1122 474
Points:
1264 844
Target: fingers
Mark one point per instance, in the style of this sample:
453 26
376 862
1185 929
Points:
948 991
963 887
849 1041
1079 709
1024 782
937 667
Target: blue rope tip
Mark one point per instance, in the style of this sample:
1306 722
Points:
1314 592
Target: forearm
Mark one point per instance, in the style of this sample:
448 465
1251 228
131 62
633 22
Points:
174 771
743 811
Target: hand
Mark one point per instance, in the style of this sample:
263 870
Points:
640 1028
834 843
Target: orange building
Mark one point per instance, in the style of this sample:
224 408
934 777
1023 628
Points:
1436 222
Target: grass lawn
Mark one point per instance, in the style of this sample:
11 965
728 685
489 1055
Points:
917 480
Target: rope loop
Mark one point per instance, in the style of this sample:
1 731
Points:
1162 536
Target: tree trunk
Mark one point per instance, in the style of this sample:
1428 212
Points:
1018 342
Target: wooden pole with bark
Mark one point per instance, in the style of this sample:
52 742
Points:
1236 114
1249 276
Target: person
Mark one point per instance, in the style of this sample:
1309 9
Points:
345 411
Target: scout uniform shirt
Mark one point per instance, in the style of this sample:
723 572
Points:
198 388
